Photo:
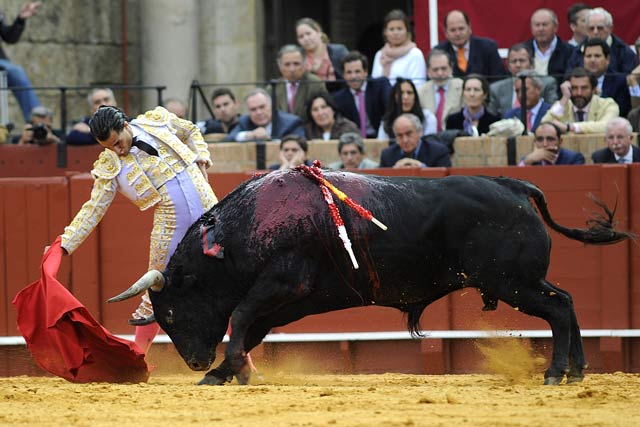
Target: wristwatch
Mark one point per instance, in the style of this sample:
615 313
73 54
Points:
568 127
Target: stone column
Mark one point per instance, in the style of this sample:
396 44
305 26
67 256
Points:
169 47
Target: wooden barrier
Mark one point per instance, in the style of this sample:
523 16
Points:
605 281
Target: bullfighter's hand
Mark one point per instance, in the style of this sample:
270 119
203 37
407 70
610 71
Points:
202 164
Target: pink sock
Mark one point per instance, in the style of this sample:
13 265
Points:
145 335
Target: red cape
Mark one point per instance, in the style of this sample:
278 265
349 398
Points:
66 340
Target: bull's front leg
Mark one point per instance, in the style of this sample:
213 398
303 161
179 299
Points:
285 280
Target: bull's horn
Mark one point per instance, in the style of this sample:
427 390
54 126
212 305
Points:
152 279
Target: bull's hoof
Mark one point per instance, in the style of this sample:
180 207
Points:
213 380
574 379
243 376
553 380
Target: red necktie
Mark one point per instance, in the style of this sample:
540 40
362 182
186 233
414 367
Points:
440 108
292 91
363 113
529 124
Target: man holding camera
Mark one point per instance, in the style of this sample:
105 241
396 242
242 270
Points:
39 130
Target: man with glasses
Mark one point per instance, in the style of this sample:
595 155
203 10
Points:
547 150
503 95
619 136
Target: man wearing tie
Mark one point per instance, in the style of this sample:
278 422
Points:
618 135
156 160
580 110
297 85
442 93
470 54
372 94
536 106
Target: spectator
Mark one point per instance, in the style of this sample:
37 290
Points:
536 106
404 99
80 133
39 130
297 84
373 94
399 57
633 82
324 121
470 54
293 152
634 119
551 54
580 110
442 93
16 76
351 150
322 58
258 124
577 17
600 25
225 112
474 118
503 94
547 150
618 134
595 54
176 106
411 149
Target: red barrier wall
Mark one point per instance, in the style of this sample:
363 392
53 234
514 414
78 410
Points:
605 281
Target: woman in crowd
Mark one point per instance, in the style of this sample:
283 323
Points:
399 57
322 58
323 121
474 117
405 99
293 152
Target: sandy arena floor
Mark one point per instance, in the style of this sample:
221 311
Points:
287 395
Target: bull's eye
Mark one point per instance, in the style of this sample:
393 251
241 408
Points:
169 318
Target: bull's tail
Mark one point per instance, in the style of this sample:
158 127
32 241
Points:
600 229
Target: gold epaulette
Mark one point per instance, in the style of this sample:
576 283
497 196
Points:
107 166
159 116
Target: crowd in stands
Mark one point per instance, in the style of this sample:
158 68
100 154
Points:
551 87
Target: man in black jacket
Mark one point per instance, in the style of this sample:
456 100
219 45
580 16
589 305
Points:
619 148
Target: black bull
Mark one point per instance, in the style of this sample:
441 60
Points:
278 258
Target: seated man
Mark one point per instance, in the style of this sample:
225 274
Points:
259 124
502 94
176 106
80 133
225 112
296 86
536 106
547 150
580 110
618 135
39 130
411 149
293 152
370 94
596 56
351 150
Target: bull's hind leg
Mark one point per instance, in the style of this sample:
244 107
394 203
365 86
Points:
577 361
541 300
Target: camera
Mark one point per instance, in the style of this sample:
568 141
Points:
40 132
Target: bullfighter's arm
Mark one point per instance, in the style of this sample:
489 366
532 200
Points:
106 168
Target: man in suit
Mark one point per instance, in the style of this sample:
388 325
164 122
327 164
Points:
596 58
442 93
600 26
470 54
618 135
502 94
225 112
551 54
580 110
547 150
297 85
411 150
258 124
577 18
374 93
536 106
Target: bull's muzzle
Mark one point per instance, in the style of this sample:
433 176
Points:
152 279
